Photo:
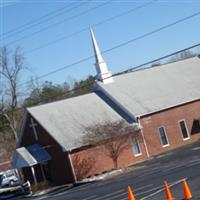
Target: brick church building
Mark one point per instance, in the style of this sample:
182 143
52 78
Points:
164 101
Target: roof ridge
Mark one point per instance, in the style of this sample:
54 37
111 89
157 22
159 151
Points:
154 65
60 100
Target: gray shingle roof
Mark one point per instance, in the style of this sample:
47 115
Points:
140 92
153 89
66 120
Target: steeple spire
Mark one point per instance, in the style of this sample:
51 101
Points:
103 74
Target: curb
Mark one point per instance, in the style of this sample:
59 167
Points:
49 191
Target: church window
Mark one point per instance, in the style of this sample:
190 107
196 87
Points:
163 137
136 147
184 130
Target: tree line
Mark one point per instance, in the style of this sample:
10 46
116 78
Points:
12 103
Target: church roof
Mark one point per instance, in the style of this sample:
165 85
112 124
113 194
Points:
153 89
66 120
141 92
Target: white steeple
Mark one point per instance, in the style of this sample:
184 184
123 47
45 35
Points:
103 74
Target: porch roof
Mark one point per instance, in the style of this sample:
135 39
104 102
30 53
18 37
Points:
30 155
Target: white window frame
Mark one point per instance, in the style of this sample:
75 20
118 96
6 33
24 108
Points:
183 120
133 143
166 145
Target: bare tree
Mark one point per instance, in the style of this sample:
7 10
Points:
112 137
83 165
10 67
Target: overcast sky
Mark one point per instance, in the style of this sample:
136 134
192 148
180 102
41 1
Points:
45 30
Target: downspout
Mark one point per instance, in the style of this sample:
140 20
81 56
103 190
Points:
144 140
72 167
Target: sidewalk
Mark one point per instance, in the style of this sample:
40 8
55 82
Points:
84 181
51 190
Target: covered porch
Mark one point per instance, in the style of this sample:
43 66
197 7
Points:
33 159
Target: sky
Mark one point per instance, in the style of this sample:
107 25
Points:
55 33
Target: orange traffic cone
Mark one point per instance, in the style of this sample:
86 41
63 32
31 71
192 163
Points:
130 194
168 192
186 191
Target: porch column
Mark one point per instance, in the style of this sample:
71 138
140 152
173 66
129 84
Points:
34 176
43 175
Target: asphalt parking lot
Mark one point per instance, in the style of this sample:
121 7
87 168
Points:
146 179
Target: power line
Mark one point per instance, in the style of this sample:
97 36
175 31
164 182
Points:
161 58
152 32
69 92
126 71
118 46
60 22
34 23
93 25
129 70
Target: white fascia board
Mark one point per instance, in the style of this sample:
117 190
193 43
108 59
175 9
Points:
166 108
23 126
64 149
21 132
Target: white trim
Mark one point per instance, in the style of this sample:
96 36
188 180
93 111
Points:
133 143
137 155
144 140
42 170
23 125
48 132
184 139
166 108
183 120
34 176
22 132
72 166
165 145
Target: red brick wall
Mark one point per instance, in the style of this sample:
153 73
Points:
97 161
169 119
95 158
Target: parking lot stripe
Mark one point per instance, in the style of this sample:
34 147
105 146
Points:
110 194
141 188
114 195
196 148
160 190
90 197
